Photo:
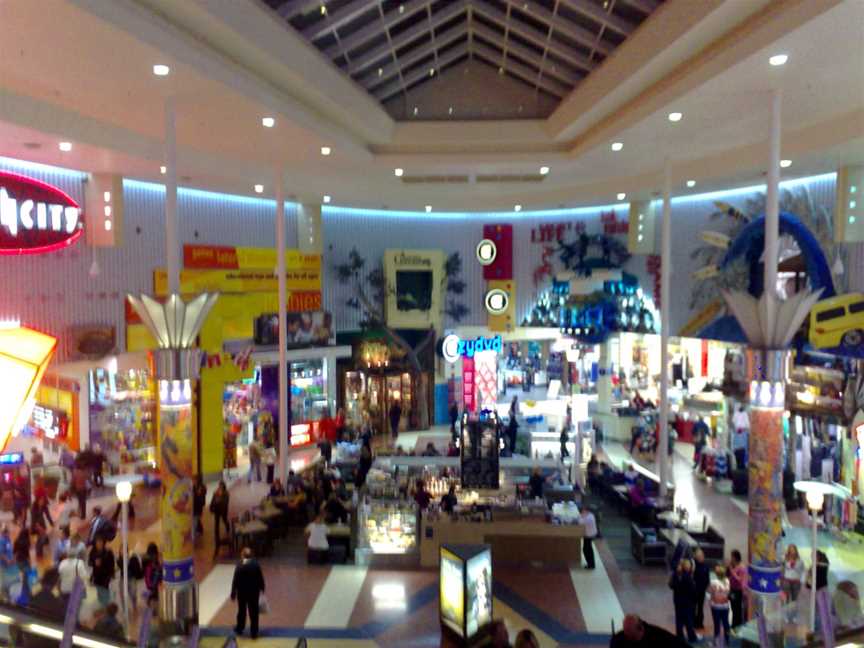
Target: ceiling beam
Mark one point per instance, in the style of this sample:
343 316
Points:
392 88
332 22
408 36
293 8
595 12
526 74
442 40
369 32
524 53
645 6
537 37
584 37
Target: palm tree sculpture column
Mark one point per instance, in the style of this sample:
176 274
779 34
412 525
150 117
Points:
176 365
769 325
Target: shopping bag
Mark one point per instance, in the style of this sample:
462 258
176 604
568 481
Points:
263 604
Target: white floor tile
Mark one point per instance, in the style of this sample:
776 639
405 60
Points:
597 599
213 592
337 598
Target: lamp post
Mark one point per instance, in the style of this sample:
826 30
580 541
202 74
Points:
124 492
815 492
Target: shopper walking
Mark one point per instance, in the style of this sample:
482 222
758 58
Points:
199 499
270 461
793 574
395 416
718 593
7 561
454 417
101 564
152 571
737 573
701 578
246 588
80 487
219 508
683 595
254 461
589 523
71 568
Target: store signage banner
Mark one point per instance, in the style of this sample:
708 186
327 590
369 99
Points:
222 257
239 281
35 217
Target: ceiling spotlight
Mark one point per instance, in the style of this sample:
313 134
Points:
778 59
517 208
416 110
326 200
65 146
259 188
785 164
675 116
161 70
431 71
323 10
544 170
691 183
163 169
486 252
268 122
325 150
398 172
380 72
450 110
401 9
428 208
622 196
617 146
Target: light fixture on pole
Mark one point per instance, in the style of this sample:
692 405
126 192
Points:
814 492
124 492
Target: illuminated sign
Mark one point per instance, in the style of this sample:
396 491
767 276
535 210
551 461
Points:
301 434
11 458
53 423
453 348
36 217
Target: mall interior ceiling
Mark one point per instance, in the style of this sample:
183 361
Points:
465 105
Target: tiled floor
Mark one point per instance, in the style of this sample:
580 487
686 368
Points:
358 606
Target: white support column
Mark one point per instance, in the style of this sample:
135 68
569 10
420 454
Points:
172 243
283 325
665 290
772 208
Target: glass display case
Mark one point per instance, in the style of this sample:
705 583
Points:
388 526
308 391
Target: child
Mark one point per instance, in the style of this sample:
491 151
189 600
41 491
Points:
718 595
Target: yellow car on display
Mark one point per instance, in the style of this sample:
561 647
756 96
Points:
838 321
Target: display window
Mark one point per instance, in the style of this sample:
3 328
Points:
122 415
308 391
244 420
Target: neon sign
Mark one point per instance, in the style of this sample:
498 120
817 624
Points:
453 348
35 217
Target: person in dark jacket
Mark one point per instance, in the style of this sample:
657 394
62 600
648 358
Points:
701 578
48 601
101 564
395 416
109 626
219 508
454 418
246 588
199 499
683 593
40 519
635 633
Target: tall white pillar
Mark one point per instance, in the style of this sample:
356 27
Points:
665 294
772 208
283 324
172 243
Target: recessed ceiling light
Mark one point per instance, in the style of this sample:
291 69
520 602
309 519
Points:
778 59
398 171
323 10
785 164
268 122
161 70
622 196
325 150
65 146
416 110
617 146
326 200
163 169
428 208
517 208
259 188
691 183
675 116
431 71
544 170
401 9
380 72
450 110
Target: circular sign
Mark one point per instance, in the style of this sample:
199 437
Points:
486 252
497 301
450 348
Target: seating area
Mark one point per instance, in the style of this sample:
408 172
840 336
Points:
647 546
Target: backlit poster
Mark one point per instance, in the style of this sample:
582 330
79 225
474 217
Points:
452 601
479 592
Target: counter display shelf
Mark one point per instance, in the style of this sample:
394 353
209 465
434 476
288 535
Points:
515 538
388 527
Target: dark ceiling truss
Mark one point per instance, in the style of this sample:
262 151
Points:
388 46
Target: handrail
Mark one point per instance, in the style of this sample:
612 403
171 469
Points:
32 622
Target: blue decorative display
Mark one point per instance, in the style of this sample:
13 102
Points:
179 571
765 579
